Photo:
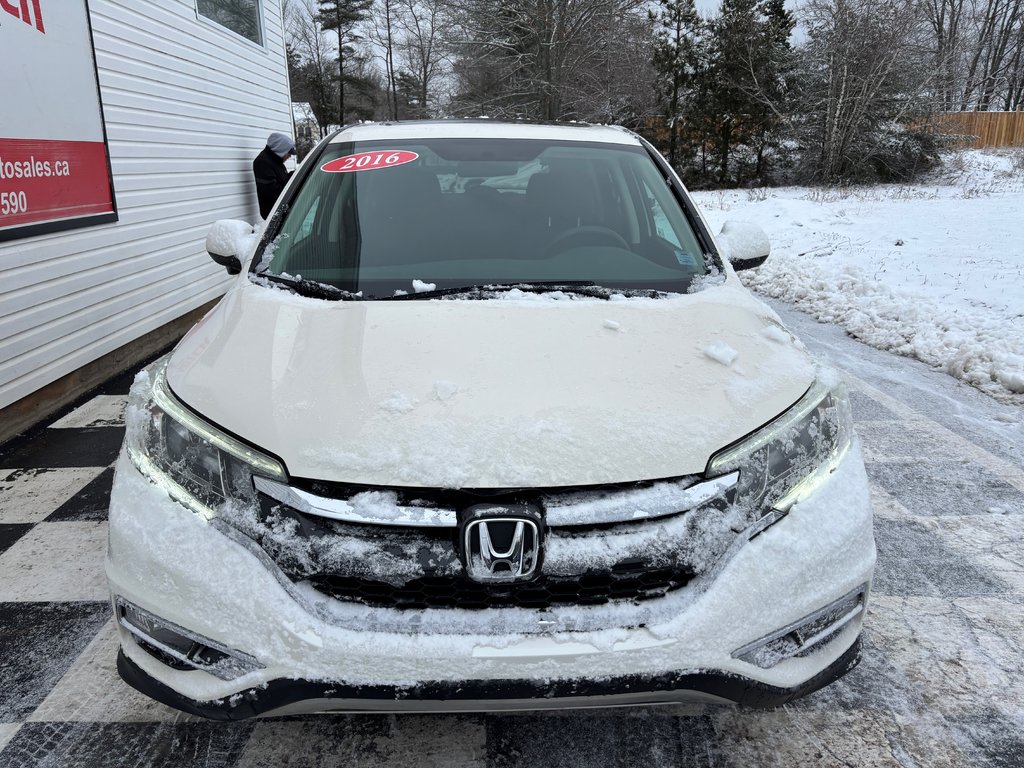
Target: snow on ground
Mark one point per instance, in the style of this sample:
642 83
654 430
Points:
933 271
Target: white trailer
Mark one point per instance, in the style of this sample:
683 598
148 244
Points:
127 128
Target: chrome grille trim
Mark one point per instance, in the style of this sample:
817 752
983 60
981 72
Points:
661 499
342 510
669 498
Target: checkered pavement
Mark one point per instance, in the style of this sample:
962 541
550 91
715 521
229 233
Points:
941 683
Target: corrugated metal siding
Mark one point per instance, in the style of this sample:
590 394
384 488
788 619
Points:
188 105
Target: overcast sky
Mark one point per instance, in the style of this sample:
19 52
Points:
710 7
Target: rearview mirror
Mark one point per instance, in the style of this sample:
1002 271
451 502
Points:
745 245
228 242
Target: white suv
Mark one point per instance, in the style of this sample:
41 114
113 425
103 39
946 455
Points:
488 422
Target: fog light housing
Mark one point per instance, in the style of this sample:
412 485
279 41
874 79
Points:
806 635
180 648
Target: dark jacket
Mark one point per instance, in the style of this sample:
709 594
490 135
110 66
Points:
271 176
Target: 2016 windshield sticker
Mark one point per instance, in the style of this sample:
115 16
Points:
369 161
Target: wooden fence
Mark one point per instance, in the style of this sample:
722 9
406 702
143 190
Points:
988 129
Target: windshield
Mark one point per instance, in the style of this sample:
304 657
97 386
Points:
384 219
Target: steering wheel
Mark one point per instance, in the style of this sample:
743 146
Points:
585 235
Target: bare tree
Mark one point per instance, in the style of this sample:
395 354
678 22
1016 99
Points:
383 23
422 49
946 19
862 73
367 89
312 72
617 85
520 58
1013 99
997 27
976 47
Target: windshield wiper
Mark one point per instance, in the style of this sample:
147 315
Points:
317 290
581 287
312 288
575 287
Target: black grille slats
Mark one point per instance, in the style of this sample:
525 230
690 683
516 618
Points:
542 593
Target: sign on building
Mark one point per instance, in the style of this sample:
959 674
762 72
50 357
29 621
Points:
54 166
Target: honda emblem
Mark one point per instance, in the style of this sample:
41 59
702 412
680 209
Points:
501 549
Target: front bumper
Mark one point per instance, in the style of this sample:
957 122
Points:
319 655
286 696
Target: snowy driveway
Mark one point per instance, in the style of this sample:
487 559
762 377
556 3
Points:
941 682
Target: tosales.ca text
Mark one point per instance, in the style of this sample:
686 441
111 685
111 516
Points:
33 169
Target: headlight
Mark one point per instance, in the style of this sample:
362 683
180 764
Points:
200 466
785 461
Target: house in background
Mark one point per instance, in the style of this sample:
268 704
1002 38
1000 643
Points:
307 129
306 126
133 130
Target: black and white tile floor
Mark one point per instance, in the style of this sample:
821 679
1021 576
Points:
941 684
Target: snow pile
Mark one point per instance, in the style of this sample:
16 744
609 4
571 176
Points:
720 352
775 333
445 390
932 272
229 237
971 344
399 402
742 241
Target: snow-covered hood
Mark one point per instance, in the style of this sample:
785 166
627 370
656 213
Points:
520 391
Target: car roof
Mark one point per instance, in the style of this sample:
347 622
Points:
483 128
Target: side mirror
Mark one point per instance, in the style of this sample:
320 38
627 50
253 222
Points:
228 243
745 245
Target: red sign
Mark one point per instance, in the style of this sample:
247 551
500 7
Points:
45 180
369 161
54 168
21 11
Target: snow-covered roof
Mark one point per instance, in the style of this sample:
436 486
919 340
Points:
301 110
482 128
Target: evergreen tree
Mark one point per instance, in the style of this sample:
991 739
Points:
676 25
740 83
341 17
772 73
409 89
734 31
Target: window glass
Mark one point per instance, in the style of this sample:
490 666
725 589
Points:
240 16
473 212
662 225
307 223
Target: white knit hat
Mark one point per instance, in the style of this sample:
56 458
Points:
280 144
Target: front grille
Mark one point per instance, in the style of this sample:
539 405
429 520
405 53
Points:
633 585
413 568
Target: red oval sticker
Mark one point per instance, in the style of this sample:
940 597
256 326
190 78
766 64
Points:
369 161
